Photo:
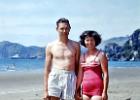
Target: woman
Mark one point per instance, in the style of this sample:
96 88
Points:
93 72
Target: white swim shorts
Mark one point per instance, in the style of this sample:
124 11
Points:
62 84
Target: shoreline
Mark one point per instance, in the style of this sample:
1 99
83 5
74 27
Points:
124 84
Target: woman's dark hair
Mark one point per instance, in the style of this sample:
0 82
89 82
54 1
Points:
90 33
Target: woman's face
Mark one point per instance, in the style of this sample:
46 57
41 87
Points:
89 42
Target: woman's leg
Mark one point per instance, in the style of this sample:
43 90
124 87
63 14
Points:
85 97
96 98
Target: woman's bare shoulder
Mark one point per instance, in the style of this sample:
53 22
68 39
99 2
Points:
102 54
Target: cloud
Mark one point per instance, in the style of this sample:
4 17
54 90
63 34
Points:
35 20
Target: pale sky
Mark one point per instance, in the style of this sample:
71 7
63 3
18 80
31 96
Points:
33 22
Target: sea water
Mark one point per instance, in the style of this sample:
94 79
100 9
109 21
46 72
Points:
21 64
7 65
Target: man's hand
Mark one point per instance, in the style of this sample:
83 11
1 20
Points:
46 96
78 95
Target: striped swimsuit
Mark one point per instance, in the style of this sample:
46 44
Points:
92 80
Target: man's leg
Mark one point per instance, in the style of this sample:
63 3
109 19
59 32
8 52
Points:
70 86
53 98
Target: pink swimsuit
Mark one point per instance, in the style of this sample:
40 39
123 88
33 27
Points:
92 80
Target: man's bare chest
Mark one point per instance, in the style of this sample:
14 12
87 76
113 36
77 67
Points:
63 51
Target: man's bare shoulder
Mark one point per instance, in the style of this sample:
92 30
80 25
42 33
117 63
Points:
51 44
75 43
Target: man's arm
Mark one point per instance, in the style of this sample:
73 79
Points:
48 60
79 73
77 59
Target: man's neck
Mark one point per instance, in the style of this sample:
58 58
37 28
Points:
63 40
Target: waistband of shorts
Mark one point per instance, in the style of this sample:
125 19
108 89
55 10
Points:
54 69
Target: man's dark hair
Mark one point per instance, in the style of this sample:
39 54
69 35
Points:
63 20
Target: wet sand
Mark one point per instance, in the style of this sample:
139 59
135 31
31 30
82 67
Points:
124 85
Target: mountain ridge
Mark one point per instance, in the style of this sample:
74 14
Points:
116 48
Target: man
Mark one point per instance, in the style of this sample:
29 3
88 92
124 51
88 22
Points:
62 64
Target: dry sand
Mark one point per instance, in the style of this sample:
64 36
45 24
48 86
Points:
21 86
124 85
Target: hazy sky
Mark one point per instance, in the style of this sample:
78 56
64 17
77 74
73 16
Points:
32 22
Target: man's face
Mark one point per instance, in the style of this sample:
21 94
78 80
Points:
63 29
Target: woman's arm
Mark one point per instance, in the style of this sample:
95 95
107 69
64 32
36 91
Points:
104 66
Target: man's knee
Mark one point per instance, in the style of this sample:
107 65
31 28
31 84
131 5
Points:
53 98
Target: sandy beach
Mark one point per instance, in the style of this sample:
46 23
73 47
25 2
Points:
124 85
21 86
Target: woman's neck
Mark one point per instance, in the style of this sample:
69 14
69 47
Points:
92 51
